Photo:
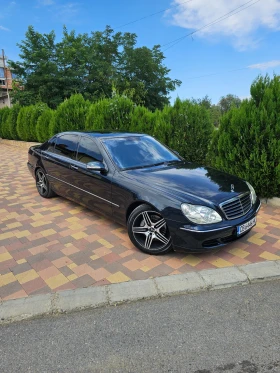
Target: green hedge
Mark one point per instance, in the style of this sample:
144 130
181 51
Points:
12 121
142 120
110 114
248 141
189 129
44 123
27 121
70 115
4 114
23 123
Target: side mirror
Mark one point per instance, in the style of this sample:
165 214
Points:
96 166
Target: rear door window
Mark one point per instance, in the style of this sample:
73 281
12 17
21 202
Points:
66 145
51 145
88 151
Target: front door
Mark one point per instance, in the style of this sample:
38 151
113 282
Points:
92 188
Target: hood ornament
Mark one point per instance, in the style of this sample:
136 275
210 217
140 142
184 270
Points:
232 188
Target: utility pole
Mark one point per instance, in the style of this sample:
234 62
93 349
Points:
6 77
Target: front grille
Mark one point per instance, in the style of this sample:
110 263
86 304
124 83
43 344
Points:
237 207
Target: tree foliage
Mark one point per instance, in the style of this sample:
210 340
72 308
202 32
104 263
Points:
229 101
90 64
248 141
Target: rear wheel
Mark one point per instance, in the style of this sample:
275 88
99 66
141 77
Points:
148 231
43 185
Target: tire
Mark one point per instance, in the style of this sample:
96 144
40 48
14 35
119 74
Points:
148 231
43 185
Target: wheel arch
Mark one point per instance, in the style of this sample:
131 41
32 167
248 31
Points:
138 203
36 168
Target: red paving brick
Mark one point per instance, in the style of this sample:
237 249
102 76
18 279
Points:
40 239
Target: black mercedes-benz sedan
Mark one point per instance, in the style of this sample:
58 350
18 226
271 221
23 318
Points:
165 201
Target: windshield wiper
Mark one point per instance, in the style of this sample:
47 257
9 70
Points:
146 166
150 165
175 161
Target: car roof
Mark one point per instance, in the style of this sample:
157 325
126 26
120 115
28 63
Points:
103 134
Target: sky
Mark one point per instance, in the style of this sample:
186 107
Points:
214 47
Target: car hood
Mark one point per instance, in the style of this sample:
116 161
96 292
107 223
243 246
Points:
190 182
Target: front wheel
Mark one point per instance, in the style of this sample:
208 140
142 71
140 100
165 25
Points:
43 185
148 231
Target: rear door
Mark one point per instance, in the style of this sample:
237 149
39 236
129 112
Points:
57 160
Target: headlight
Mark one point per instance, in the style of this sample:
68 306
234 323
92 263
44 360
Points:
200 214
253 193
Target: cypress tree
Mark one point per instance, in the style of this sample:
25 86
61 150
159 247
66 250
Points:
71 115
23 123
43 126
248 141
110 114
142 120
4 114
191 129
12 121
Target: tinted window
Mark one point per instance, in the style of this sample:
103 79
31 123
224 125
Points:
88 151
50 145
67 145
140 151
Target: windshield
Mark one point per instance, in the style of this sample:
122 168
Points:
138 151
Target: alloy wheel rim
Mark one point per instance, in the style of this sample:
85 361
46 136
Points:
42 183
150 231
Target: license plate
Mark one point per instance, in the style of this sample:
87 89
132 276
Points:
246 226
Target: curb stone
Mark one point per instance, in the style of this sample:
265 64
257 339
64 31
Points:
262 271
80 298
274 202
132 291
178 284
224 278
94 297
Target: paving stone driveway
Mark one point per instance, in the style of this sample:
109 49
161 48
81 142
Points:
52 245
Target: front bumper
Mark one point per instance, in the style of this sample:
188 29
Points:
201 238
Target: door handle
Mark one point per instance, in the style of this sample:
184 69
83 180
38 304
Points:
74 167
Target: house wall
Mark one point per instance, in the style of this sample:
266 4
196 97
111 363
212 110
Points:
4 101
8 75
